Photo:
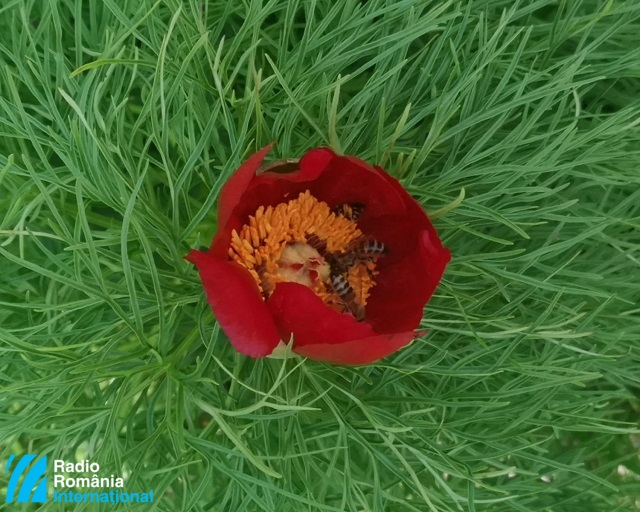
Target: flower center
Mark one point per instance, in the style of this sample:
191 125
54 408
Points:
304 241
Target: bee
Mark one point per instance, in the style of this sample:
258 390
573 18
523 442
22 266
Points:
368 249
349 211
360 250
347 295
340 264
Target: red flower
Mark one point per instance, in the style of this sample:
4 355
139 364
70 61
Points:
335 253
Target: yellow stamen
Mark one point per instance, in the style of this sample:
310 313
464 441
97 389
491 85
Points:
273 247
360 279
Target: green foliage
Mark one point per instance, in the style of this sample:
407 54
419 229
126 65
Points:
120 121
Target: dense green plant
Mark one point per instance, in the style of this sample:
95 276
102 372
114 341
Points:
515 123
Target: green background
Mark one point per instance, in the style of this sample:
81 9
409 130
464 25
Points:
516 124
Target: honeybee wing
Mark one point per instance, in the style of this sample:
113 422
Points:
339 262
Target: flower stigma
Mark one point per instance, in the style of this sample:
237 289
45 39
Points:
304 241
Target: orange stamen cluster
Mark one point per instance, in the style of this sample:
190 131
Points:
359 277
273 247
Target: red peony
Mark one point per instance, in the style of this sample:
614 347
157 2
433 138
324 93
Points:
328 250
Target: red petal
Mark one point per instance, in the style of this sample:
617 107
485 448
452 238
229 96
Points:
330 178
272 188
362 351
237 183
299 311
398 231
236 301
245 191
403 288
349 180
222 239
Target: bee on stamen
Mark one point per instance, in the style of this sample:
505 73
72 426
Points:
347 295
370 249
349 211
360 250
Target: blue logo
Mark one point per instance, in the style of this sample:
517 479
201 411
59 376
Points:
34 478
